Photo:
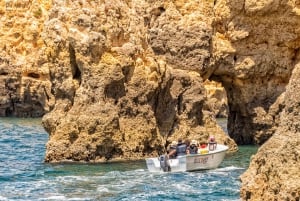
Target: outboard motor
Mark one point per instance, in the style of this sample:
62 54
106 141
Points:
164 163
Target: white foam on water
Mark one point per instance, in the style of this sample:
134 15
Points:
225 170
54 197
113 174
229 168
181 186
3 198
61 198
102 189
77 199
213 183
74 178
140 170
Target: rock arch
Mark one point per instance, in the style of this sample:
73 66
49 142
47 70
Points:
254 54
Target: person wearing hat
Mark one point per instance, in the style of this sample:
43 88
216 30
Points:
193 149
172 150
181 149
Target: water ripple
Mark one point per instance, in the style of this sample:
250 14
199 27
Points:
24 176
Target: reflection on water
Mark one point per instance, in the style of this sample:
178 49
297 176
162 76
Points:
24 176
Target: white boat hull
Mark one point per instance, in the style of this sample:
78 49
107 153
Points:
191 162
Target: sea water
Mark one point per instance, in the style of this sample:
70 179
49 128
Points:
24 175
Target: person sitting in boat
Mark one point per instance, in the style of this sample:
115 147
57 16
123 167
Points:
172 150
203 148
181 148
193 149
212 144
203 145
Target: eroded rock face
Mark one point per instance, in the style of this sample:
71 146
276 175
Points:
274 171
25 89
256 47
216 99
122 79
127 78
258 53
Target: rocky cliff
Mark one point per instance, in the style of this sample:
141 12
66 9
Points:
122 79
256 46
25 89
127 78
274 171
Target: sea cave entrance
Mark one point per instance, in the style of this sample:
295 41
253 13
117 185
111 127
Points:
217 102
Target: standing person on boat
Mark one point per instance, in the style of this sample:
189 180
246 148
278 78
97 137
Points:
172 150
181 148
192 149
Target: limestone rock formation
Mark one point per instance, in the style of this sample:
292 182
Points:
256 45
216 99
126 77
274 171
255 48
25 89
122 79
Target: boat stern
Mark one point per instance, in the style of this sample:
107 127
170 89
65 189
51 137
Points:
176 165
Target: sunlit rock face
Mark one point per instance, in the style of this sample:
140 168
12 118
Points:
127 78
25 89
255 47
216 99
122 79
274 171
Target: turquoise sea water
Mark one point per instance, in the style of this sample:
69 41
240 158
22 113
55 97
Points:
24 175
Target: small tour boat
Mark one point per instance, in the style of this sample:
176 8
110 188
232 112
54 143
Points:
191 162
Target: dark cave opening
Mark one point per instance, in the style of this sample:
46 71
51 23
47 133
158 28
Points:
74 66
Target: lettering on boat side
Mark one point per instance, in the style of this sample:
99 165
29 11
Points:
202 160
